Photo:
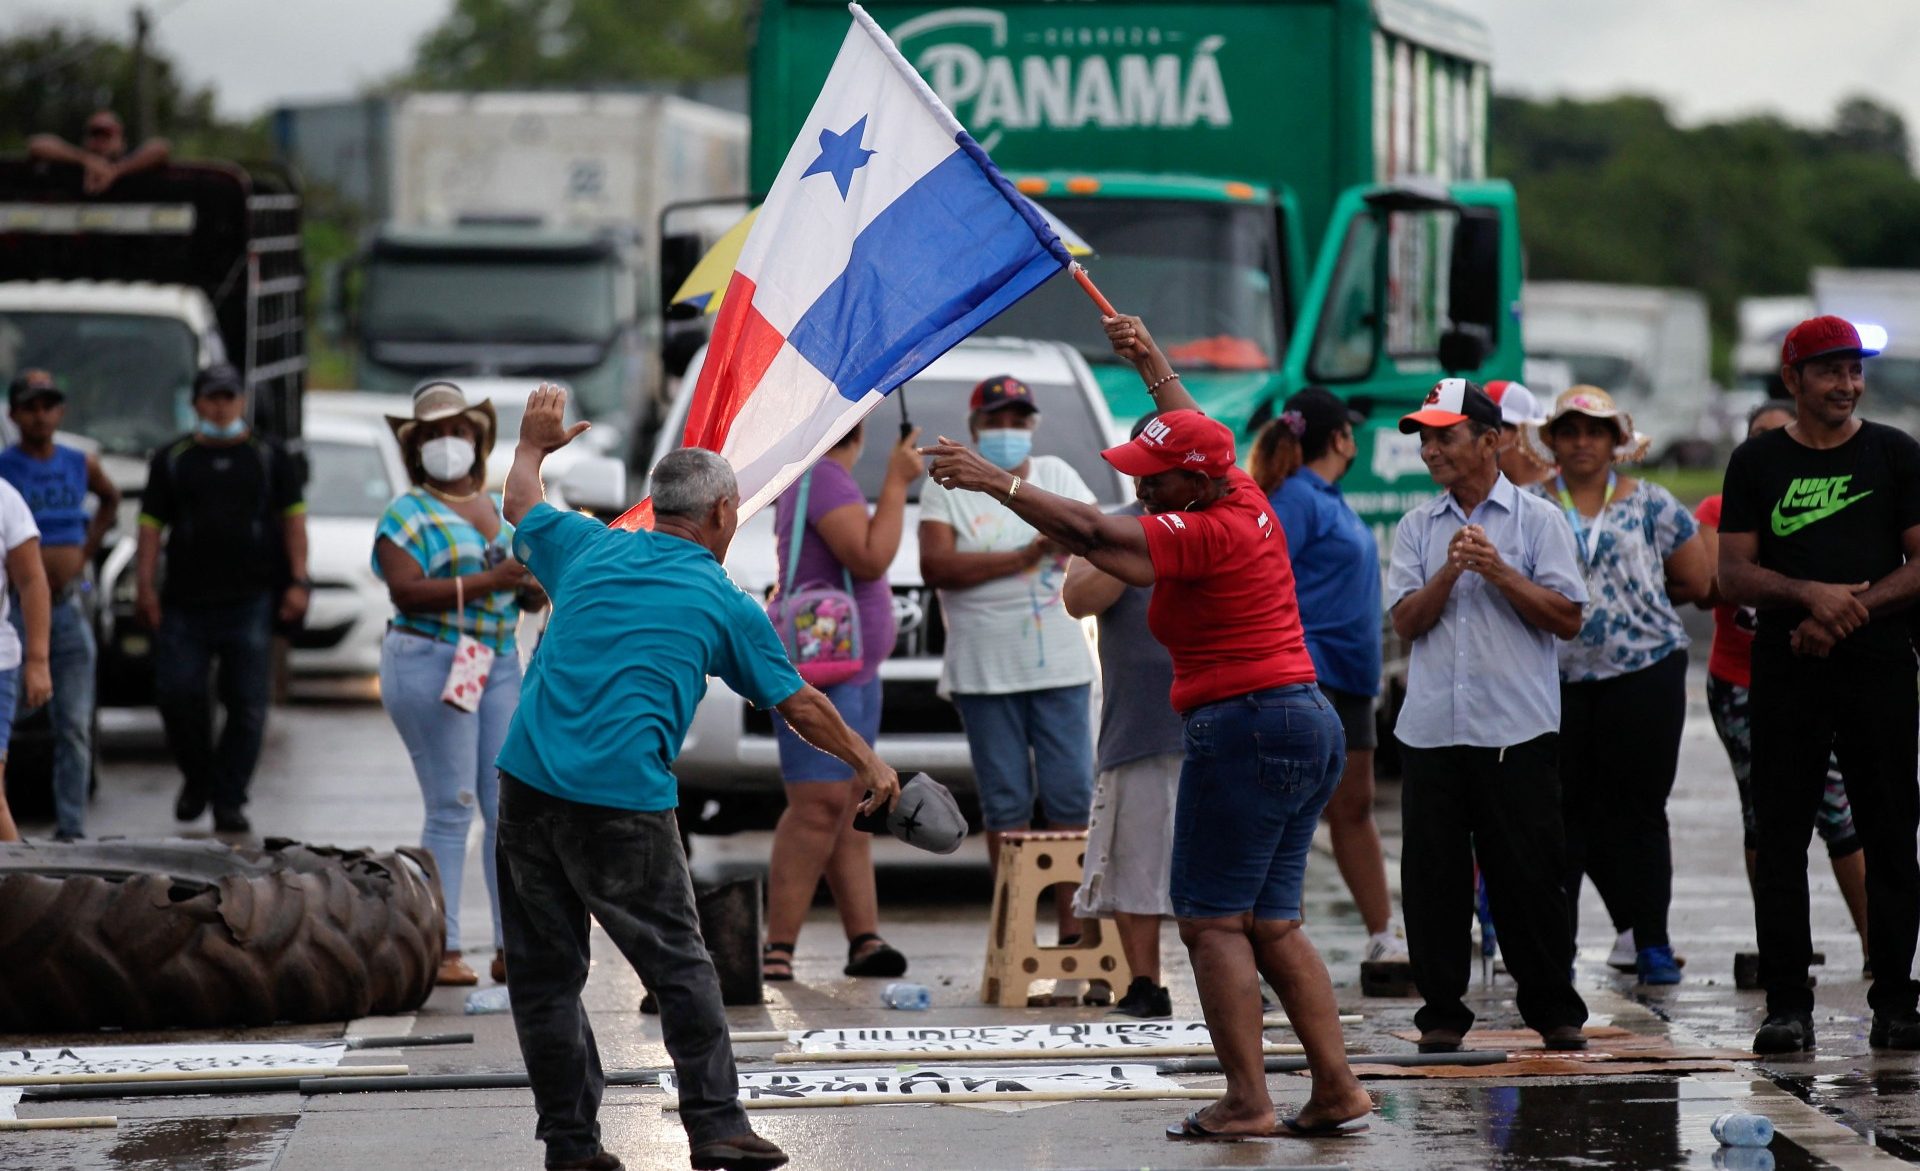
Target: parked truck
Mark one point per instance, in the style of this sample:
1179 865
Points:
1884 304
521 241
126 295
1292 192
1650 348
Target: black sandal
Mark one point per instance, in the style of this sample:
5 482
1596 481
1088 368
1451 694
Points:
774 968
881 961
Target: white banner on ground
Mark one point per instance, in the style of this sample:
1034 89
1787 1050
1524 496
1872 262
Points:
9 1098
982 1081
209 1059
1119 1035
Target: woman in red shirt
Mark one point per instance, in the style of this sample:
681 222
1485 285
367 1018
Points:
1264 749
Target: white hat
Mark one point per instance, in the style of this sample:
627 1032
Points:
1518 407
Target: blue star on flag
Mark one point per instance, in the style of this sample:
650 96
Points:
841 155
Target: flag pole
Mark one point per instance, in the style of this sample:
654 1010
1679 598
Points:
1086 282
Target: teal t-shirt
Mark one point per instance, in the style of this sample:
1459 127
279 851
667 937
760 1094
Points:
640 620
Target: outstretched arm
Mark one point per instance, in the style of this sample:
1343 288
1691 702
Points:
543 430
1132 342
1116 544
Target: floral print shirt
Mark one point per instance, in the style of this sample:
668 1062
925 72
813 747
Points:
1630 622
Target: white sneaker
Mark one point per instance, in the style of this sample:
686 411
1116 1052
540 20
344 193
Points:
1386 946
1624 957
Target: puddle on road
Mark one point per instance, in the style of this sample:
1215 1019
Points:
1863 1100
246 1143
1651 1125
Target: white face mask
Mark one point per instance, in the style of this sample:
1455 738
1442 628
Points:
447 458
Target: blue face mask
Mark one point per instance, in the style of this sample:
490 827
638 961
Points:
1006 447
213 430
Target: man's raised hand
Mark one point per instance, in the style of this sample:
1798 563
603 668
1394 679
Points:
544 426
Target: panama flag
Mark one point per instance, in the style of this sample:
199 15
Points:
887 237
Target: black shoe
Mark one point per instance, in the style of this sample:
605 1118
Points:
1785 1032
1145 1001
1441 1040
63 836
603 1161
742 1152
230 821
190 804
1900 1031
1564 1039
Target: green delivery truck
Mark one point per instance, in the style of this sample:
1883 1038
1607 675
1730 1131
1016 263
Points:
1291 192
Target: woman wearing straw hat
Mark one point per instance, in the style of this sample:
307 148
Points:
1623 680
449 671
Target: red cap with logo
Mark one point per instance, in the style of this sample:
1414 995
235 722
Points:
1176 439
1819 337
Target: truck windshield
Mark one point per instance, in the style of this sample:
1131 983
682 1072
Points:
1068 428
1201 274
486 299
128 377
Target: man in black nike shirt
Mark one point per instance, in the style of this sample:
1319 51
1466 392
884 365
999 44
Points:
1820 532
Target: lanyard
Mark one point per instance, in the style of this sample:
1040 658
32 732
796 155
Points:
1573 514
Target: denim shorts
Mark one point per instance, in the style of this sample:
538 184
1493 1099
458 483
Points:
1031 746
1259 770
9 688
859 705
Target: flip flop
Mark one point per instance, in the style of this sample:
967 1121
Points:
1352 1126
881 961
1189 1129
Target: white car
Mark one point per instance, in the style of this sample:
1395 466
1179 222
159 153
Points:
730 751
354 472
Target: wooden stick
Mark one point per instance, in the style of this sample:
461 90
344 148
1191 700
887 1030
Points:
970 1056
776 1036
88 1122
1139 1095
181 1075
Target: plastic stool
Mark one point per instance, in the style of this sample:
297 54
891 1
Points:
1030 864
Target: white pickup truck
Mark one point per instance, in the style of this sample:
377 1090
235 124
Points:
730 755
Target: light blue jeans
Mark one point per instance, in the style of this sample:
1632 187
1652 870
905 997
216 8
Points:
453 753
72 653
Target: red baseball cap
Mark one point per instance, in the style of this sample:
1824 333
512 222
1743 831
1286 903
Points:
1175 439
1819 337
1452 400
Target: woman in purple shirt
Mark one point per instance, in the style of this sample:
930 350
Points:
816 835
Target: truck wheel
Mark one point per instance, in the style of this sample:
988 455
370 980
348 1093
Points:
182 932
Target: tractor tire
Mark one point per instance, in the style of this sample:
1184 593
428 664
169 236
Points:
200 934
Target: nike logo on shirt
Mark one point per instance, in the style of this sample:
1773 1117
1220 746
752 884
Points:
1815 498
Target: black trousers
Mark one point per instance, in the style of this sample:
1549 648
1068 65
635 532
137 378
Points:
1502 805
1865 710
559 862
1619 751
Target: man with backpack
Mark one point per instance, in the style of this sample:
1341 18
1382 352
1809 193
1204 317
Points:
228 505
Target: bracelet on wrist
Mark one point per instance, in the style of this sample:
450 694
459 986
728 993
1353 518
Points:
1157 383
1014 488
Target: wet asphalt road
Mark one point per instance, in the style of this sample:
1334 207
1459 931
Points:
334 773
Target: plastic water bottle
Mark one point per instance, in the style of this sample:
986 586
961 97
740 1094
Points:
912 997
485 1000
1737 1128
1743 1159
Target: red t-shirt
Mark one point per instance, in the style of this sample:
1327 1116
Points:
1732 655
1223 601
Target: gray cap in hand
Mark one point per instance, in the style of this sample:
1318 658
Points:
927 817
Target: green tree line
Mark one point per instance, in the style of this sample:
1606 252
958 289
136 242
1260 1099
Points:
1613 190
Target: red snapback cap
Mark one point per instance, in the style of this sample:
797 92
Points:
1176 439
1817 337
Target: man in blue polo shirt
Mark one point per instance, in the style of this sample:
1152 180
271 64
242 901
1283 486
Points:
1336 577
587 793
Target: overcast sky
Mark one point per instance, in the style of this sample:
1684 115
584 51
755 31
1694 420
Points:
1709 58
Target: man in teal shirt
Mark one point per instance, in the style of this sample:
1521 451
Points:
587 794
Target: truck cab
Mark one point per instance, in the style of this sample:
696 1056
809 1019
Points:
1291 192
503 300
